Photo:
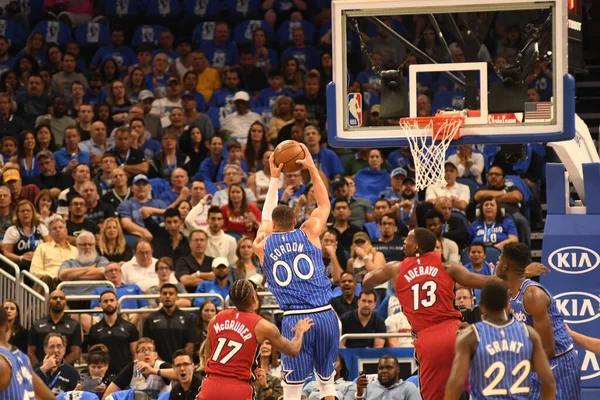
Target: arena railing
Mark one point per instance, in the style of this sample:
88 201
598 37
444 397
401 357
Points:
83 297
9 280
348 336
274 307
140 326
34 305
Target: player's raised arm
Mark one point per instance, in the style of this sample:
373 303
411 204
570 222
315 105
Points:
541 366
318 218
267 331
588 343
271 199
466 343
464 277
381 275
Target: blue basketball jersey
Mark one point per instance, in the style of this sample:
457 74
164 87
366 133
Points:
501 365
21 381
562 340
295 271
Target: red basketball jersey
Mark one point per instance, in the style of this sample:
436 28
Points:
425 291
234 349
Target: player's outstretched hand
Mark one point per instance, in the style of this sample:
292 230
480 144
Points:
308 161
536 269
303 325
275 170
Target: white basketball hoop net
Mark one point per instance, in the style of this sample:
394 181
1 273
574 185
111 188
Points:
429 139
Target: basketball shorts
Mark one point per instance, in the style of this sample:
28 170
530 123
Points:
320 345
567 373
223 388
434 351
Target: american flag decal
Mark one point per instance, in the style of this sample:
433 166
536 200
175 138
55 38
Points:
538 111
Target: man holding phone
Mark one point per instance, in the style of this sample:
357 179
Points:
388 383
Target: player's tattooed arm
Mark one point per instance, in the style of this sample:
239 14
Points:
381 275
541 366
269 332
466 343
535 302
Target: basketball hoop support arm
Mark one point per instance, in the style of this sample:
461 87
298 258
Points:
415 49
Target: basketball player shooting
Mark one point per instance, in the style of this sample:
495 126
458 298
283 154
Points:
500 353
292 263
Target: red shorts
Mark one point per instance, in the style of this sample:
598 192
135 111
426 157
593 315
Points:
434 350
216 387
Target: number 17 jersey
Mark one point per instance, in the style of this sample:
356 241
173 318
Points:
426 292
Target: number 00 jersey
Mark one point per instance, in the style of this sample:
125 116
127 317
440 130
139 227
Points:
234 348
295 271
425 291
501 365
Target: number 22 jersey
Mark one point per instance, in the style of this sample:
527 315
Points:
426 291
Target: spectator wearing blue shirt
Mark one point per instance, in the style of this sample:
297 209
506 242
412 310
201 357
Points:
124 56
313 99
374 179
492 228
306 55
400 158
129 210
220 285
6 61
267 96
221 52
224 97
113 274
156 81
95 93
70 156
478 265
325 159
179 181
234 151
368 79
209 168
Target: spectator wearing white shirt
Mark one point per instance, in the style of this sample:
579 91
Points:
220 244
458 192
469 164
238 123
141 269
396 322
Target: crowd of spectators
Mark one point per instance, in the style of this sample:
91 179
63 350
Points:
140 158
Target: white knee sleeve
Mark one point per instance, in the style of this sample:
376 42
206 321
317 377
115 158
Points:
326 386
292 391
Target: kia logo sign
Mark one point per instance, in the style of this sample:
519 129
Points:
577 307
590 368
574 260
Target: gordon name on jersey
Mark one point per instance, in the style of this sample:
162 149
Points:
288 247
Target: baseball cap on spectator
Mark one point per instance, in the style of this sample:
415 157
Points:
241 96
45 153
376 109
217 262
451 164
189 94
398 171
145 94
339 182
139 178
408 179
360 236
173 81
11 175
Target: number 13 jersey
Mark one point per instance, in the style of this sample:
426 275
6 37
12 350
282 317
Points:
426 291
295 271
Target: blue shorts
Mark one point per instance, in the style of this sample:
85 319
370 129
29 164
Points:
567 373
320 346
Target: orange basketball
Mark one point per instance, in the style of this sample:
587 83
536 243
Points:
287 153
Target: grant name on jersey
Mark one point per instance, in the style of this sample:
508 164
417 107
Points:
420 271
286 248
236 326
504 345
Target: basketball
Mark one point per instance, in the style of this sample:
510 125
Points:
287 153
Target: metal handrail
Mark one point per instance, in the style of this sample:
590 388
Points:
83 297
156 296
6 292
26 274
86 283
373 336
34 303
229 304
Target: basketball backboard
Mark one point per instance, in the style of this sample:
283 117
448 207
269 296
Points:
503 64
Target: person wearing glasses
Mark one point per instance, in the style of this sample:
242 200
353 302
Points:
146 373
188 384
53 370
77 223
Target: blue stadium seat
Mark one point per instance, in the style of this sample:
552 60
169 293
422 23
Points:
205 9
214 115
33 7
244 30
54 31
524 189
462 218
159 186
284 33
472 184
203 33
160 8
164 396
447 99
14 32
245 8
146 34
492 254
120 8
92 34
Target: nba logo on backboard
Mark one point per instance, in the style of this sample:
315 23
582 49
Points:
355 115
